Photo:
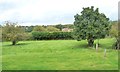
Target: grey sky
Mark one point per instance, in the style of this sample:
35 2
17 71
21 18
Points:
51 12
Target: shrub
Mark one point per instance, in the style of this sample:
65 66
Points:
51 35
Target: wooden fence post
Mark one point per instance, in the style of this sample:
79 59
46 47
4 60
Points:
96 47
105 53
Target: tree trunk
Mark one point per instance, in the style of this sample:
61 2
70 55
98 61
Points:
14 42
90 42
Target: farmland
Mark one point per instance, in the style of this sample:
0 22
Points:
59 55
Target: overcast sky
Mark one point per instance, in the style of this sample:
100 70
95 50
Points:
51 12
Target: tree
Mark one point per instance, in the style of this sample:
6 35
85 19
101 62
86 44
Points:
70 26
90 25
114 30
114 33
39 29
59 26
52 29
28 28
12 32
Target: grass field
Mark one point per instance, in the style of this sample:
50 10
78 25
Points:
59 55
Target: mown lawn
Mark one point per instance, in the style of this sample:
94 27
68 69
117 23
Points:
59 55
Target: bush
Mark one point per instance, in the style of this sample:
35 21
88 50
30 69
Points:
51 35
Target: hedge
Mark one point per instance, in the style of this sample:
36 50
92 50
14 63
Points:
51 35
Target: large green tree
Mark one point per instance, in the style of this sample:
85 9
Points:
90 25
12 32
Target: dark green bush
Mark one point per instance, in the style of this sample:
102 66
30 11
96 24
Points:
51 35
116 45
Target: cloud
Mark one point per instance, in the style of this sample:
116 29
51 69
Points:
31 12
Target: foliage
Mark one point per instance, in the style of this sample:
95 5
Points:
114 33
70 26
29 28
27 36
51 35
12 32
39 29
59 26
90 25
114 30
52 29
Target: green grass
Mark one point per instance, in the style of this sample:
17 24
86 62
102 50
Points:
59 55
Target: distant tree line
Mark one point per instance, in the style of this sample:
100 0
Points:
57 27
13 32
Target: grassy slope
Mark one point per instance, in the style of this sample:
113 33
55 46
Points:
58 55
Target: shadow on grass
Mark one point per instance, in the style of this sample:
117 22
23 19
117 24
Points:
85 46
81 46
18 44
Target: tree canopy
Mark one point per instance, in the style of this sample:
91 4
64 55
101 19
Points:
90 25
12 32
